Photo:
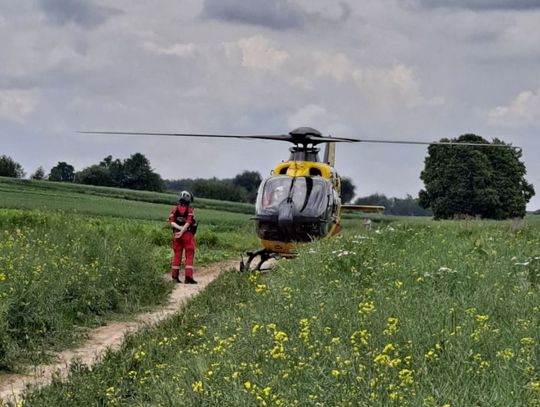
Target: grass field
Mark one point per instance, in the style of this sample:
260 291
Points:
413 312
20 193
71 259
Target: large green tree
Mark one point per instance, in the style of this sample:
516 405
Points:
138 174
95 175
62 172
250 181
134 172
115 171
10 168
347 189
474 181
39 174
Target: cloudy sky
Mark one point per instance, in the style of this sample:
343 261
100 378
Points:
375 69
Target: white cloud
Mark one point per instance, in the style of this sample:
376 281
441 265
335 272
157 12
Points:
307 114
258 54
523 110
179 50
317 116
395 83
337 66
385 85
522 36
15 104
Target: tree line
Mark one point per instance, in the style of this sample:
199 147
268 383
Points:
136 172
460 181
242 188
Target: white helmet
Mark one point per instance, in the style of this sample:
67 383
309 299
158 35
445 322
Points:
185 197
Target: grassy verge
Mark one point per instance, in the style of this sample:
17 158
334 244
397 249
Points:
420 314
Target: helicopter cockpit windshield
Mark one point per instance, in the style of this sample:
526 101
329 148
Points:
309 196
294 208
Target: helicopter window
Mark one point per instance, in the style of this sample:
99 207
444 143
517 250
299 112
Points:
314 172
317 196
274 191
283 171
309 195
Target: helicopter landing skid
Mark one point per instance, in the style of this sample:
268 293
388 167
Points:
263 254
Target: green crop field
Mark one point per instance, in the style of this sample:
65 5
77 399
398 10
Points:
412 312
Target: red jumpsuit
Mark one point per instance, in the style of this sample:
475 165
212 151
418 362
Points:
185 242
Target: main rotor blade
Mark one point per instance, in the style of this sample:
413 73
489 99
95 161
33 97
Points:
295 139
279 137
308 139
447 143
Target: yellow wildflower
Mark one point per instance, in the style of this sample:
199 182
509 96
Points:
382 359
505 354
197 387
366 308
406 376
528 341
482 319
389 348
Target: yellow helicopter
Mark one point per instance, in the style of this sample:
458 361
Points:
301 199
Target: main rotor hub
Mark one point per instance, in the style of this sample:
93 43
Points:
302 132
305 136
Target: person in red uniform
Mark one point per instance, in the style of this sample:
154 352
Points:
181 220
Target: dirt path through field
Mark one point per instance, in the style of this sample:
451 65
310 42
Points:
109 336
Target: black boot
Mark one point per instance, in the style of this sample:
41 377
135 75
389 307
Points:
189 280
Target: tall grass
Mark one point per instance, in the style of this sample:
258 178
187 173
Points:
59 271
70 260
420 314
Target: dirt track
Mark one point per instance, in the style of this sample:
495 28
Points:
109 336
